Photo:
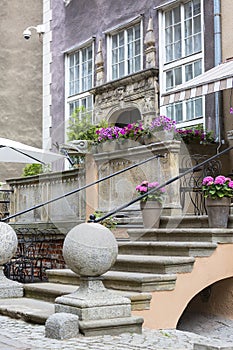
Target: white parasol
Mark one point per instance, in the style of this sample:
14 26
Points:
17 152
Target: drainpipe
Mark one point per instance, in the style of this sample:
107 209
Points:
217 61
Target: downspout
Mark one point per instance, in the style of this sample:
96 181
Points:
217 61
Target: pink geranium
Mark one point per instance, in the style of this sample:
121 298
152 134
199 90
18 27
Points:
146 186
217 187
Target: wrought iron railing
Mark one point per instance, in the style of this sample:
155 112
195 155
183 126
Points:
29 263
33 254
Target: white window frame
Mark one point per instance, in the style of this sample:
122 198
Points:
183 61
83 94
115 31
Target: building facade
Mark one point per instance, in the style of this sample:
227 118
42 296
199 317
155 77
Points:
21 77
116 60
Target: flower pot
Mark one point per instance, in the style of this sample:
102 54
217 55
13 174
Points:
159 136
151 211
218 211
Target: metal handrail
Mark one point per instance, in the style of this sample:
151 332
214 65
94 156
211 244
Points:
81 188
114 211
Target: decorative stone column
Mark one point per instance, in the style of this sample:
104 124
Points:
99 63
8 247
90 250
150 45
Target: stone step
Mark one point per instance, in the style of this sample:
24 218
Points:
218 235
127 281
153 264
29 310
50 291
167 248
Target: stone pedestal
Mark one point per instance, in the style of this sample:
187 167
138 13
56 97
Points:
8 247
90 250
99 311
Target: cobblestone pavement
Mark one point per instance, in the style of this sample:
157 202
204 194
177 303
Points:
19 335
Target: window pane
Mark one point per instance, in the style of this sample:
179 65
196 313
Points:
196 7
114 56
178 76
168 18
178 112
197 24
168 53
114 41
197 43
188 10
121 54
188 27
169 80
130 50
197 68
137 32
176 14
121 39
137 47
137 63
168 35
177 52
177 33
114 72
130 66
188 72
198 107
190 110
188 46
121 69
130 34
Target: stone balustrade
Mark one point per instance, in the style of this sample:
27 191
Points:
30 191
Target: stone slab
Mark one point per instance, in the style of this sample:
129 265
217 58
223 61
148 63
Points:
113 326
62 326
208 346
31 310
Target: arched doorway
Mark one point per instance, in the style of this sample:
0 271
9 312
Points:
125 116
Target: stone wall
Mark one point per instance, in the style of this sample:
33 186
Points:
120 189
33 190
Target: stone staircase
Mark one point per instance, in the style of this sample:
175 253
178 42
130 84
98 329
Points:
149 261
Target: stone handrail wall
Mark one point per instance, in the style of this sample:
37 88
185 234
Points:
121 188
30 191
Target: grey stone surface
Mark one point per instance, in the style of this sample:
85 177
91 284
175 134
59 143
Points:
207 346
98 309
90 249
8 243
18 335
8 247
62 326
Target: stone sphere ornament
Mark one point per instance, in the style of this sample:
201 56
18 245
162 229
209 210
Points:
8 243
90 249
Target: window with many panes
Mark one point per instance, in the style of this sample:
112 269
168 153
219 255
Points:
182 40
80 73
125 48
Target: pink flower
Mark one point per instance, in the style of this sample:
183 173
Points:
220 180
153 184
208 180
230 184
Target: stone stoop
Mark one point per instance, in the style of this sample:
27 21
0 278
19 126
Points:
149 262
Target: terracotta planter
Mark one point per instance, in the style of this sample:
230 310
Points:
218 211
151 212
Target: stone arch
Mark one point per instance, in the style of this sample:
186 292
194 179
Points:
124 116
206 271
215 299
